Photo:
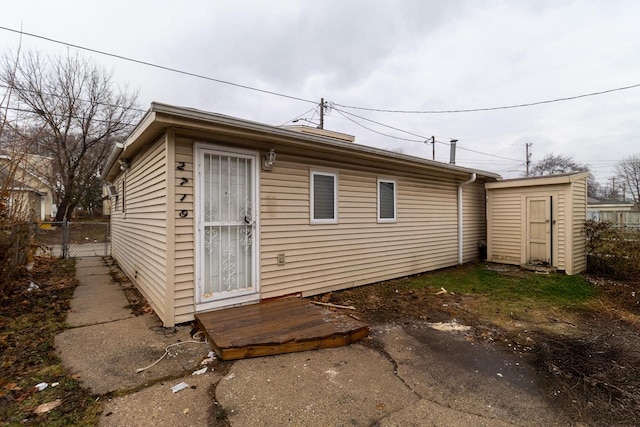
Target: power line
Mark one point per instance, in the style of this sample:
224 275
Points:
375 131
421 136
15 88
298 116
161 67
23 110
503 107
480 152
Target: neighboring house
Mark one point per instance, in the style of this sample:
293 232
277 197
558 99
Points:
618 212
210 211
538 221
29 196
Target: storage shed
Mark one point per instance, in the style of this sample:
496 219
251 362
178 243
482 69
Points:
538 221
210 211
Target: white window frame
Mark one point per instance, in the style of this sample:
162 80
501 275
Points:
395 200
314 220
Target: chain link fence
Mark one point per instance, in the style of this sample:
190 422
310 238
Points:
73 239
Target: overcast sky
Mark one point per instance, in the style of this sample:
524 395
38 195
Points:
393 55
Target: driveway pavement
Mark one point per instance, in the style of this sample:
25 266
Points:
403 375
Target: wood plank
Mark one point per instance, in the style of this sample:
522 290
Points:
267 350
278 326
286 316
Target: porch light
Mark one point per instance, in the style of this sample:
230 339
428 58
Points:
269 159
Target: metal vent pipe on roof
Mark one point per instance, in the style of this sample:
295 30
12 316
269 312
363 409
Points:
452 152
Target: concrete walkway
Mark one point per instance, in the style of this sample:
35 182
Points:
105 345
404 375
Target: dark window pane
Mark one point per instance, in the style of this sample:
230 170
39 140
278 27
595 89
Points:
387 200
323 197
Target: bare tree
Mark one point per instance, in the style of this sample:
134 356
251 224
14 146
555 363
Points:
629 171
72 113
553 164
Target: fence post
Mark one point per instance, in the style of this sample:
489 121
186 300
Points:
65 239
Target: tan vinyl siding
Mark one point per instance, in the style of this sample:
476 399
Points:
561 224
357 250
505 227
474 219
579 216
184 274
139 233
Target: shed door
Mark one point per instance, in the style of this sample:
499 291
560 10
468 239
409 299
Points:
539 230
226 227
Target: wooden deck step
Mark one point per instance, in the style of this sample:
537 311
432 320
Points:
279 326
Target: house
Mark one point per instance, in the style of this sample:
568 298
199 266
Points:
621 213
28 196
538 221
210 211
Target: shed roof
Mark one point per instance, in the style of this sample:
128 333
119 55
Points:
564 178
595 202
160 117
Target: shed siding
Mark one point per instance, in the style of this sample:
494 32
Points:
505 227
139 233
507 223
561 223
357 250
579 217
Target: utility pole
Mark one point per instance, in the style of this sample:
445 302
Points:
528 156
613 187
321 126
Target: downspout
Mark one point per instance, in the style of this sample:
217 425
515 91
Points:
460 218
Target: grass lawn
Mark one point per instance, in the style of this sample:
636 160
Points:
551 289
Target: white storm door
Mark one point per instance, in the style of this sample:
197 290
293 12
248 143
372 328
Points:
226 227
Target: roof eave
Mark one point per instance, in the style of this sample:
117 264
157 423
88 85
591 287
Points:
162 116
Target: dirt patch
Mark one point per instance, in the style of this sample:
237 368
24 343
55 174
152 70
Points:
588 357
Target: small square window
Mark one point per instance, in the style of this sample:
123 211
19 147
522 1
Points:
324 198
386 200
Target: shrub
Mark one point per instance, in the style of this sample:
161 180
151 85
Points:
16 250
612 251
